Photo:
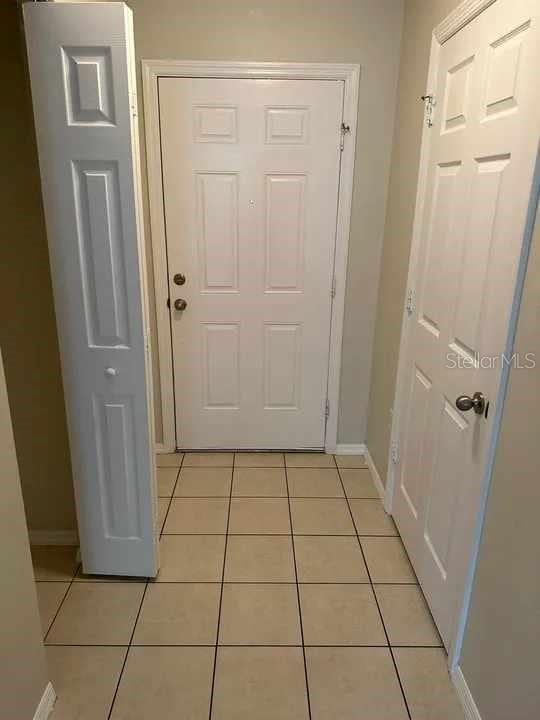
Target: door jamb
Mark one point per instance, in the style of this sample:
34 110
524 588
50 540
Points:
152 70
453 23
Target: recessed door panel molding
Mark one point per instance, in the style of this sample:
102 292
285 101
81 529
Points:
282 366
252 227
438 245
285 211
457 95
215 124
286 125
475 266
217 200
101 241
450 450
116 457
471 237
89 85
420 396
503 73
82 72
221 365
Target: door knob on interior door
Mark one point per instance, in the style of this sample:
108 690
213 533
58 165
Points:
111 372
477 403
180 304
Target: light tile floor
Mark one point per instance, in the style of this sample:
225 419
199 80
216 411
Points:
284 593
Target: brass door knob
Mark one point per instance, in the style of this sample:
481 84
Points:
180 304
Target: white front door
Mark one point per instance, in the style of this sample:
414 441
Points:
480 172
82 72
250 176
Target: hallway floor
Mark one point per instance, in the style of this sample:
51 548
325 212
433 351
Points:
284 593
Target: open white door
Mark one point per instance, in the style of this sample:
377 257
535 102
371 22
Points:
83 88
474 218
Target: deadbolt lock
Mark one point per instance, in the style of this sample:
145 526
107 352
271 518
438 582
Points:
179 279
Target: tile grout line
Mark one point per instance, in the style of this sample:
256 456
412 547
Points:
222 584
162 528
245 645
79 565
297 590
264 497
130 645
270 534
375 597
128 648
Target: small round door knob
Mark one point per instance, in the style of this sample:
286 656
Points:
477 403
111 372
180 304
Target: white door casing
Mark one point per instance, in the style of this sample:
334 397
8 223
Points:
471 226
153 71
81 61
250 180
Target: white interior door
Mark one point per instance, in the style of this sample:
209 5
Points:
83 88
481 164
250 174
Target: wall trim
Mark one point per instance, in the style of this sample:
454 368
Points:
458 18
46 703
349 449
53 537
376 477
465 696
152 70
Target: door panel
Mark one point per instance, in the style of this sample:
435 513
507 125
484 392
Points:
83 88
480 172
250 176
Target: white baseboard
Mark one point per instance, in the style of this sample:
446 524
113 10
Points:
350 449
46 703
53 537
465 696
375 475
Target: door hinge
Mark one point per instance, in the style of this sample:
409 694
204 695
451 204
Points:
344 130
333 288
410 305
394 452
430 103
327 409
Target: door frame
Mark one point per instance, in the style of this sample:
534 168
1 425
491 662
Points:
152 70
463 14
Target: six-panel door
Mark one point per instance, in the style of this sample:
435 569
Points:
480 173
250 175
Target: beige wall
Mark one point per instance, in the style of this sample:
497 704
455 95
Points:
421 16
500 652
23 676
357 31
27 323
